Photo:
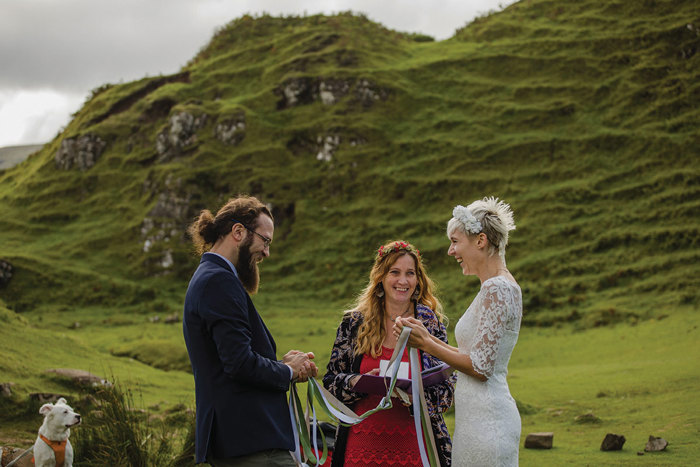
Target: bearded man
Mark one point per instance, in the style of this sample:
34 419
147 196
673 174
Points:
242 413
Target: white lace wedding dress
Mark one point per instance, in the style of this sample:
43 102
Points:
487 422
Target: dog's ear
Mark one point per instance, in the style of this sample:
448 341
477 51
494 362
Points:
61 401
46 408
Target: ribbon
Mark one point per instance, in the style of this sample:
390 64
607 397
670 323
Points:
342 415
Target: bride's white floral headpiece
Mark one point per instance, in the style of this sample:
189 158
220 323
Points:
467 219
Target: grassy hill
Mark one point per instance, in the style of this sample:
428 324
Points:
581 114
588 130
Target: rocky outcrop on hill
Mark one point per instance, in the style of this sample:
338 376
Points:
305 90
81 152
231 130
5 272
367 92
179 134
327 146
324 146
165 221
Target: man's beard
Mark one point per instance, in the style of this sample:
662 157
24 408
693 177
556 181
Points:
247 268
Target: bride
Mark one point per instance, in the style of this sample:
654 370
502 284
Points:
487 422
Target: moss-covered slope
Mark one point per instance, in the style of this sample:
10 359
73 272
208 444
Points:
582 114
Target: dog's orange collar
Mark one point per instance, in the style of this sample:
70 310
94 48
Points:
59 449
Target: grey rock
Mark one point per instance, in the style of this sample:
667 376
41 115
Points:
655 444
297 91
81 153
327 145
10 453
331 91
167 220
166 260
81 377
6 389
6 270
231 131
305 90
612 442
43 397
171 319
368 92
539 440
179 134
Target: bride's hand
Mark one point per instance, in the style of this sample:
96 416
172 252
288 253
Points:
419 336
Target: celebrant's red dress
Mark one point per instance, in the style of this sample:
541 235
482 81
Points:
387 437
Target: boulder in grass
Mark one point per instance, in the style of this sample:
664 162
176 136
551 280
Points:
655 444
6 389
539 440
9 454
612 442
44 397
80 377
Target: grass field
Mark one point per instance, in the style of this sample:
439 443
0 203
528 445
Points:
639 380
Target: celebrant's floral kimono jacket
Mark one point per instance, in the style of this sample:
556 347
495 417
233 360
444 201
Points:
344 364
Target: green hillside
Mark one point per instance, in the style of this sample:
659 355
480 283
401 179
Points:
583 115
580 114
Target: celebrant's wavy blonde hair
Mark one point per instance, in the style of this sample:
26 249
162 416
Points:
371 305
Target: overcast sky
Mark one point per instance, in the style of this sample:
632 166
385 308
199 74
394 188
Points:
53 52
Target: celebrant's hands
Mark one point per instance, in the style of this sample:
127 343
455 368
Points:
301 365
419 336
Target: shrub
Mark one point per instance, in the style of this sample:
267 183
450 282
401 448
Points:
116 433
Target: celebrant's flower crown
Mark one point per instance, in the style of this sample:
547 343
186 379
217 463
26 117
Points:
397 246
467 219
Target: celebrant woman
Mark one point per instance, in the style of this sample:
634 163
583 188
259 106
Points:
398 286
487 422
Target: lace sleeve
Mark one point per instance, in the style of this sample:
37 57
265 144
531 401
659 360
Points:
438 397
492 325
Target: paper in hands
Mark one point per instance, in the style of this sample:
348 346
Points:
370 384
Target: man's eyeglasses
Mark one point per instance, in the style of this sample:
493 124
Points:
266 241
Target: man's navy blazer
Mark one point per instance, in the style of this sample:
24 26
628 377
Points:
239 384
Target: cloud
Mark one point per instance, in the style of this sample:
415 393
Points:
34 116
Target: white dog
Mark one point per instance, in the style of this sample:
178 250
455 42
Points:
52 448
